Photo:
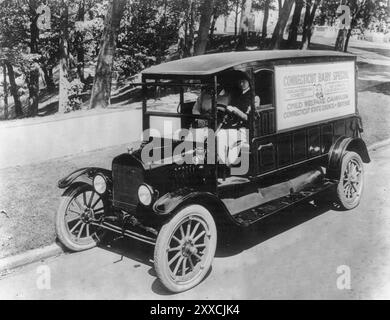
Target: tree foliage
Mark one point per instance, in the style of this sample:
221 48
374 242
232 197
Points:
150 32
364 14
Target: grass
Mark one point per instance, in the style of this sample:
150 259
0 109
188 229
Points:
29 198
375 111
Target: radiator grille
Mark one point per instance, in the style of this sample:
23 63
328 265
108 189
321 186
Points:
126 180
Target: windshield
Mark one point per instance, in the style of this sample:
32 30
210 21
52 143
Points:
164 101
170 106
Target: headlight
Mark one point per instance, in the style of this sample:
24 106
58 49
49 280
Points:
145 194
99 184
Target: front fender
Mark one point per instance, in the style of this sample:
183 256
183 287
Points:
169 204
83 174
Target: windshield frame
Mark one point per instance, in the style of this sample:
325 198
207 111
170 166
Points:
210 82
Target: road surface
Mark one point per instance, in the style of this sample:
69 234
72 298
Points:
309 253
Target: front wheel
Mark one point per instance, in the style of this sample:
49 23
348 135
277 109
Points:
79 209
185 248
350 187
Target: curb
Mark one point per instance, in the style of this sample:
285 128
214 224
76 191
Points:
55 249
30 256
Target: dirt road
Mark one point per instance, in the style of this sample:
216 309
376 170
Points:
307 253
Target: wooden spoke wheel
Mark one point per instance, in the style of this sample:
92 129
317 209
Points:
185 248
350 187
76 218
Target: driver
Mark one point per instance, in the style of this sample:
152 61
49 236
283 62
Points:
231 137
244 98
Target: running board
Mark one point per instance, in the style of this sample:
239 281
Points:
250 216
128 233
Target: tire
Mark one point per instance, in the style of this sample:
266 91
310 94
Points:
187 242
73 224
351 183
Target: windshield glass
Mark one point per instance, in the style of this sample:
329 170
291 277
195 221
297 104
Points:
172 105
164 101
169 106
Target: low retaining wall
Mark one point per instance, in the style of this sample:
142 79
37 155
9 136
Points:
36 140
331 32
326 32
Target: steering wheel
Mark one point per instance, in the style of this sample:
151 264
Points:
221 110
230 116
221 107
224 116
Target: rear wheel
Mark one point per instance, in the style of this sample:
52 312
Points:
350 187
80 207
185 248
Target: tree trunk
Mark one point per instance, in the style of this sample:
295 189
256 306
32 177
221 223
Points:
347 39
308 23
340 40
280 8
182 35
352 26
277 36
296 19
244 23
206 10
64 61
236 18
306 26
160 54
80 44
265 19
101 91
191 34
245 15
33 82
5 91
48 74
212 26
14 90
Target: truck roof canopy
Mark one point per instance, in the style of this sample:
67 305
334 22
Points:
210 64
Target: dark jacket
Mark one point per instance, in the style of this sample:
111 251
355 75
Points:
242 101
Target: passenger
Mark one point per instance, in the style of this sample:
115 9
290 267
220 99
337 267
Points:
203 104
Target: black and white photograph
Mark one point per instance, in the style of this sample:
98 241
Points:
203 150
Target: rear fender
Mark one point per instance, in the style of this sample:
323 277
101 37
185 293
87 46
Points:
339 148
83 175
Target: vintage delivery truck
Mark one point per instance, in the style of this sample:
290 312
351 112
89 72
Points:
229 139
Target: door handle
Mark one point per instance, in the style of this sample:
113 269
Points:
268 145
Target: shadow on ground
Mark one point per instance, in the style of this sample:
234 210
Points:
270 227
373 78
382 87
239 241
381 51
